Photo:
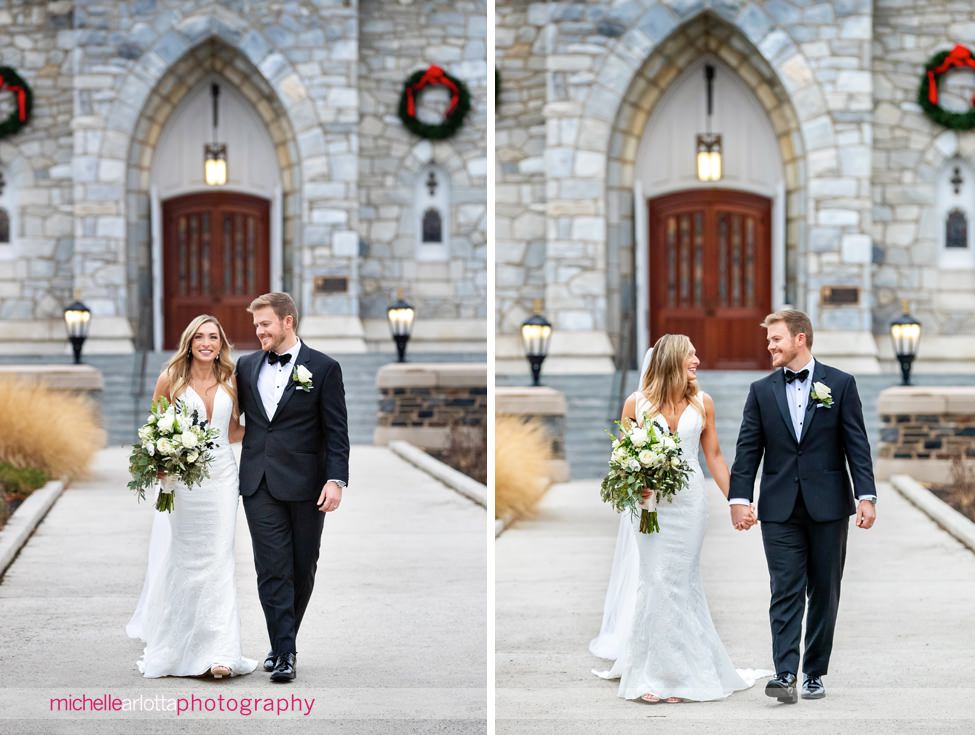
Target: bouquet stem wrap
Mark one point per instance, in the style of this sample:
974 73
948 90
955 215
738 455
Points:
648 515
165 501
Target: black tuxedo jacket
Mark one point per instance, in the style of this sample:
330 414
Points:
815 464
306 443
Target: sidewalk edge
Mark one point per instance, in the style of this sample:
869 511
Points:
20 526
936 509
456 481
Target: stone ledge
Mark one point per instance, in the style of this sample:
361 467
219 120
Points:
927 400
539 401
432 375
936 509
58 377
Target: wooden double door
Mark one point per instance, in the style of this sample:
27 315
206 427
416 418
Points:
710 274
216 260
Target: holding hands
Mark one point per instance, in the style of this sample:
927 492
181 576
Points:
743 516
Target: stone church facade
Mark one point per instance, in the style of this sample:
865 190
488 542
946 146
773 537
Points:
838 196
326 194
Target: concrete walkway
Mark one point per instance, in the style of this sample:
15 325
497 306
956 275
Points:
903 659
393 640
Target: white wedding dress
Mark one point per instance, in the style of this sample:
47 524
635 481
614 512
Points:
187 613
656 623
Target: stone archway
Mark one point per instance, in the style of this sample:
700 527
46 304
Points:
212 57
706 34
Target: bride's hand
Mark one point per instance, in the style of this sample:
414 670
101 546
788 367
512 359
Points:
646 494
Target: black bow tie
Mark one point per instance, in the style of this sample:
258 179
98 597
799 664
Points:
790 375
273 358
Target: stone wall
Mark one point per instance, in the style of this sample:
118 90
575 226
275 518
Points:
923 429
397 39
421 403
910 151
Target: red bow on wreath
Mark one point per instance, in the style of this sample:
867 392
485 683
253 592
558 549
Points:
959 56
21 98
433 76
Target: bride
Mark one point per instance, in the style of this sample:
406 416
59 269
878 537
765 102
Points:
656 622
187 613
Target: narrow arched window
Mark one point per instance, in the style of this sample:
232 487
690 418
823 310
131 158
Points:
432 226
955 212
956 229
4 227
432 197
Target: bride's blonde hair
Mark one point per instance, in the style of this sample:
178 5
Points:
178 368
665 382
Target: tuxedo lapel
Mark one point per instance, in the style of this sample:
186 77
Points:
259 359
818 376
782 401
304 355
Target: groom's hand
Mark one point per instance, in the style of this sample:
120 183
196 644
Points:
866 514
331 497
742 516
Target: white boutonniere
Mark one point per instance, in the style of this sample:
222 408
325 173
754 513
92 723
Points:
302 378
822 395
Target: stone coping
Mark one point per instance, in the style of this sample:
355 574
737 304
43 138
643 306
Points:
927 400
432 375
59 377
936 509
522 401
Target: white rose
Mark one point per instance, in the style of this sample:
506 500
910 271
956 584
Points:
675 462
189 439
619 454
304 375
821 389
646 458
668 442
166 422
150 448
165 446
633 466
639 436
192 457
145 433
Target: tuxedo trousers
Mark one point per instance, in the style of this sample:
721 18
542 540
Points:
286 537
805 561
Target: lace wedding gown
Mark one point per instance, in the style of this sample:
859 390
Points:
662 637
187 613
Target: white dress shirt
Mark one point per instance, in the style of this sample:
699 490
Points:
273 379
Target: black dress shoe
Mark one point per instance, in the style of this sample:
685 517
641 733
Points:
783 688
812 687
269 661
284 668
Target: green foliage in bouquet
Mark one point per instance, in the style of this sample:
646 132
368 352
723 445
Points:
644 457
173 442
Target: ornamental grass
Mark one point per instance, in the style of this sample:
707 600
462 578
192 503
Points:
54 432
522 452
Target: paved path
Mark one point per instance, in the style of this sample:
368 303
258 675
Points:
393 640
903 659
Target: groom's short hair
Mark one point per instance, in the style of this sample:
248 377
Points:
281 302
796 321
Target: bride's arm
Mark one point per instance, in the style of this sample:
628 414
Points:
236 430
629 412
712 448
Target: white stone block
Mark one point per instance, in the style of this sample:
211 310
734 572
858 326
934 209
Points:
345 244
857 249
590 164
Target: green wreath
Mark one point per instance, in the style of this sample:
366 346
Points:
460 103
24 100
927 96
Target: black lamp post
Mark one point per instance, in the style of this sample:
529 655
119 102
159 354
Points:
905 332
400 315
77 318
535 334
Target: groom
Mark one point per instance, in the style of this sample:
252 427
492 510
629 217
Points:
293 465
807 422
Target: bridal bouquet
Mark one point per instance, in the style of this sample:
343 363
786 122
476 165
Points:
644 457
173 442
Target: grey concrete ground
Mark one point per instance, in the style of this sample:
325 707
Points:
902 661
393 641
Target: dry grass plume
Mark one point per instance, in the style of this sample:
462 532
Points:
53 431
522 452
